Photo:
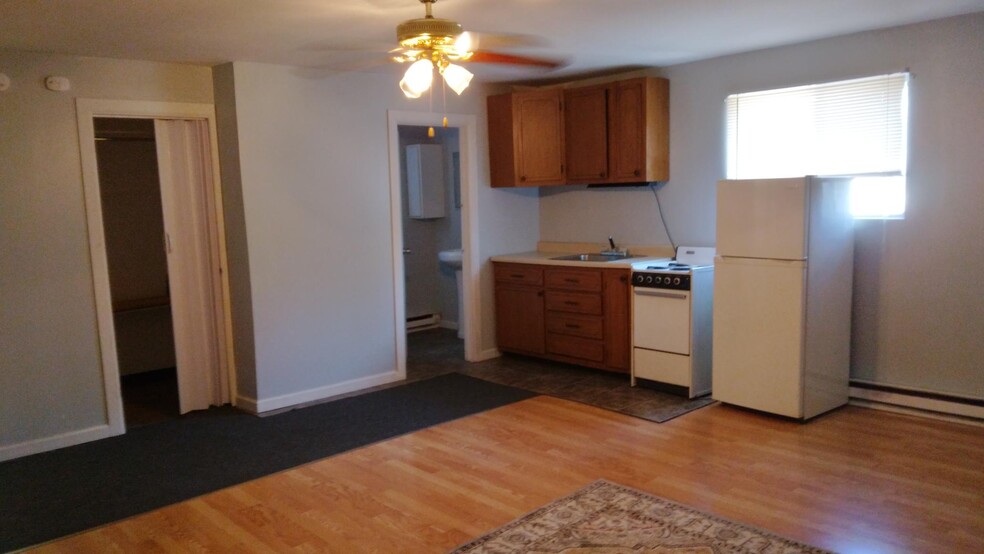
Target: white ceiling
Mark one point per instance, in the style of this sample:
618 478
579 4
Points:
590 35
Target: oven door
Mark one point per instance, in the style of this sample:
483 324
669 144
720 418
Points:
661 320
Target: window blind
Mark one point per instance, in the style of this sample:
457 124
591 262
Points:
849 127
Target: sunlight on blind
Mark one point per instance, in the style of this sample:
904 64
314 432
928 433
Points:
853 127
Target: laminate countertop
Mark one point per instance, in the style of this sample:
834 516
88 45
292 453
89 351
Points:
546 258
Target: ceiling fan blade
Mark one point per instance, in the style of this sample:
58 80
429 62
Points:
504 40
484 56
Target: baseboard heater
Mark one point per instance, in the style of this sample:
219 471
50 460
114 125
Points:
876 395
422 322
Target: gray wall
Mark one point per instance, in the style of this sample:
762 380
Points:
237 249
918 308
50 369
313 182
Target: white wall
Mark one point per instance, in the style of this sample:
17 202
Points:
315 197
918 307
50 369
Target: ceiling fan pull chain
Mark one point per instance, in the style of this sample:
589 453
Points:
430 100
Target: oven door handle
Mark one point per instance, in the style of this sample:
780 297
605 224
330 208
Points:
647 292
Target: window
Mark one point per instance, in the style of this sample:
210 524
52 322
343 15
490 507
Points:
855 127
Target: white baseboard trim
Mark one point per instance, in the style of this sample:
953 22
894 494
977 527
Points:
917 405
44 444
313 395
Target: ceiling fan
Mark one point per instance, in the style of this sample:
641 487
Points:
428 43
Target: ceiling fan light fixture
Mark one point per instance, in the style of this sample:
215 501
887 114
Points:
463 45
418 78
457 77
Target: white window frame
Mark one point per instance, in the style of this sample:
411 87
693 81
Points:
813 117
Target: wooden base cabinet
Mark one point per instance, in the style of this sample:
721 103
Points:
574 315
519 308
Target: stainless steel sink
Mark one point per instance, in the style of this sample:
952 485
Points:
593 257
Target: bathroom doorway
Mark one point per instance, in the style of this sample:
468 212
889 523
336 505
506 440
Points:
430 192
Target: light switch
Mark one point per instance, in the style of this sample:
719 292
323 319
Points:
4 82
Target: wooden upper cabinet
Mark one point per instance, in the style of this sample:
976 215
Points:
610 133
526 138
639 130
587 133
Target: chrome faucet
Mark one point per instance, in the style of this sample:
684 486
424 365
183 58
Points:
614 250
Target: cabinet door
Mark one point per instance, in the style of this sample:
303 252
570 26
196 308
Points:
618 341
640 130
586 136
628 139
539 137
519 318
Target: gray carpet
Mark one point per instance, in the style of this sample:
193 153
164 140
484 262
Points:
53 494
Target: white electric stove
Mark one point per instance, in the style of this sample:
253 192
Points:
671 320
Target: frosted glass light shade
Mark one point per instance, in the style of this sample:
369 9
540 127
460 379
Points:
457 77
463 44
417 79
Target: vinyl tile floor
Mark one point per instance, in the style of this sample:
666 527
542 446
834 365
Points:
438 351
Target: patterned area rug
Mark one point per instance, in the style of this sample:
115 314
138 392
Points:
605 518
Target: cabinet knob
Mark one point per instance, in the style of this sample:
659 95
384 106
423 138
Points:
523 178
602 175
539 293
624 278
637 173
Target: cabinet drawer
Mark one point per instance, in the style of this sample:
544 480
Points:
573 279
574 302
519 274
587 327
576 347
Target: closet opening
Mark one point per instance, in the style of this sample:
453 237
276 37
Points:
133 223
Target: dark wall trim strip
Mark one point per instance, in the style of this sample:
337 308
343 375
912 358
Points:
920 394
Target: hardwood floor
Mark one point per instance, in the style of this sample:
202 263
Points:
855 480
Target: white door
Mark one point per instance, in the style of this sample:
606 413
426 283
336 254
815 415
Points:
764 218
758 334
192 259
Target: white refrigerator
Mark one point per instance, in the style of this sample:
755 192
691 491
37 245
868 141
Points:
782 295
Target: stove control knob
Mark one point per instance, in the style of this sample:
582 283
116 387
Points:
649 278
676 281
659 279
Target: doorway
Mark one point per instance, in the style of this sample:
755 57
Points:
156 242
467 128
430 191
133 223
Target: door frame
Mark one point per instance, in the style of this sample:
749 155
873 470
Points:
467 126
87 110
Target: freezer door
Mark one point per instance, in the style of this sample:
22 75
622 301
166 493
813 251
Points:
764 218
758 334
